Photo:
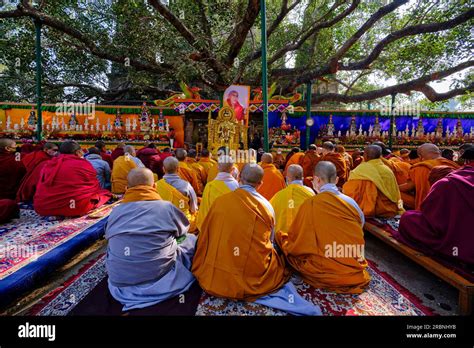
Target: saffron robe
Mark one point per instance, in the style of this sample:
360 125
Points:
324 224
145 263
338 160
188 174
444 225
224 183
294 159
200 172
68 186
179 200
123 165
374 187
34 163
419 174
235 257
273 181
308 162
400 169
287 202
12 171
206 163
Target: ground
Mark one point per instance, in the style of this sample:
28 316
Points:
433 292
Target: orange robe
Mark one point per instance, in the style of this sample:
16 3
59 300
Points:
295 159
324 224
338 160
201 174
235 257
374 187
399 168
122 166
273 181
419 174
206 163
186 173
308 162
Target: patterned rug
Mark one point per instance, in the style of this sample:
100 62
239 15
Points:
24 240
384 296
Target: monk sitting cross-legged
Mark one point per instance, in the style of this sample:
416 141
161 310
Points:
146 263
223 183
430 157
273 180
68 185
235 255
325 243
338 160
373 186
287 201
178 191
34 163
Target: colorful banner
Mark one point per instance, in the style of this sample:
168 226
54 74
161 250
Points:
238 98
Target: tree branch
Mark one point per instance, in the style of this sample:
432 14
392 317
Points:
420 84
239 34
409 31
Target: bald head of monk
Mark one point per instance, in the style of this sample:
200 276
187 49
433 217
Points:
312 147
205 153
328 147
225 164
170 165
428 151
70 147
252 175
294 172
372 152
192 153
340 149
325 172
140 176
267 158
181 154
129 150
7 145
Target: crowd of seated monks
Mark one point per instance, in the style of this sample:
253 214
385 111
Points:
242 229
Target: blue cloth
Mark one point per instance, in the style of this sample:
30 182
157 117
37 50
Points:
288 300
185 188
102 169
176 281
29 276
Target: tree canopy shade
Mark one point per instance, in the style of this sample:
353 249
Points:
111 50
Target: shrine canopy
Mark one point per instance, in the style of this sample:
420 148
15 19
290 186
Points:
357 127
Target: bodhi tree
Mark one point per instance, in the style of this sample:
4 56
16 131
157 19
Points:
113 50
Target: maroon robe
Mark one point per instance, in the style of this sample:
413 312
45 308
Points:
107 158
8 210
68 186
12 171
444 225
116 153
34 163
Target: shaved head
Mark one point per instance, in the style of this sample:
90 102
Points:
225 164
372 152
140 176
312 147
252 174
129 149
205 153
294 172
267 158
170 165
326 172
428 151
4 142
181 154
327 145
192 153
